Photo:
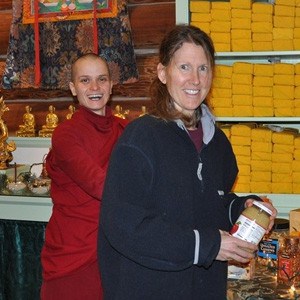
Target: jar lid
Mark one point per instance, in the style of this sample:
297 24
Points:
281 224
261 206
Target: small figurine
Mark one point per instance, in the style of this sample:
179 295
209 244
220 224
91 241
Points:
5 148
119 112
27 129
71 112
144 111
51 123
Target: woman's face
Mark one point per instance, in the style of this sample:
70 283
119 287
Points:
188 77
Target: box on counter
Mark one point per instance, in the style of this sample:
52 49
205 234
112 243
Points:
241 271
295 222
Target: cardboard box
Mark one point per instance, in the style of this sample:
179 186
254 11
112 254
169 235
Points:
241 271
295 222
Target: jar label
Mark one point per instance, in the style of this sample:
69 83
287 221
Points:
247 230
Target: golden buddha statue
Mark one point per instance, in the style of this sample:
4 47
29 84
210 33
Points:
5 148
51 123
71 112
27 129
119 112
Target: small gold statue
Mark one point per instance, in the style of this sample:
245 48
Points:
5 148
144 111
71 112
51 123
119 112
27 129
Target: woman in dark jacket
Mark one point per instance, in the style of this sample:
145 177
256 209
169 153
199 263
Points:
167 206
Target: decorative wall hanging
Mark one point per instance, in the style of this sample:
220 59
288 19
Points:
59 10
61 42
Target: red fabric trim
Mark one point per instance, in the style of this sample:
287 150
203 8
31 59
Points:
37 66
95 29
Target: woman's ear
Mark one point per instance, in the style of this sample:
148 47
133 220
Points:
72 88
161 73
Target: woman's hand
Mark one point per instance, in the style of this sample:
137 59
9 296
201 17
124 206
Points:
235 249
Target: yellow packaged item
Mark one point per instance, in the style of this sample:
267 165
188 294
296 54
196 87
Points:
288 103
223 111
241 13
262 101
283 137
282 177
282 167
297 79
241 89
220 26
240 140
296 32
242 68
263 111
262 27
223 71
296 166
282 148
262 17
297 104
285 79
296 111
244 170
203 26
241 45
239 23
241 100
221 37
282 188
261 176
284 112
261 187
226 129
262 37
297 141
238 34
284 10
286 2
243 111
221 82
262 91
296 177
241 78
262 8
297 22
261 134
242 129
263 69
286 22
221 5
200 6
262 46
220 102
200 17
221 93
282 157
283 91
243 159
296 188
261 147
262 81
296 154
241 150
241 187
247 4
222 47
259 155
220 15
297 92
283 33
283 45
243 179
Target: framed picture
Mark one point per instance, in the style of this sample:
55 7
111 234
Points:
60 10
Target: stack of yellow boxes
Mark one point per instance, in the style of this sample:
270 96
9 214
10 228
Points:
297 89
296 166
240 138
262 26
200 15
282 161
241 25
242 89
284 23
284 89
297 26
221 93
261 165
262 90
220 26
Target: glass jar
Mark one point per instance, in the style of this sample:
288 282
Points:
270 244
289 262
252 223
